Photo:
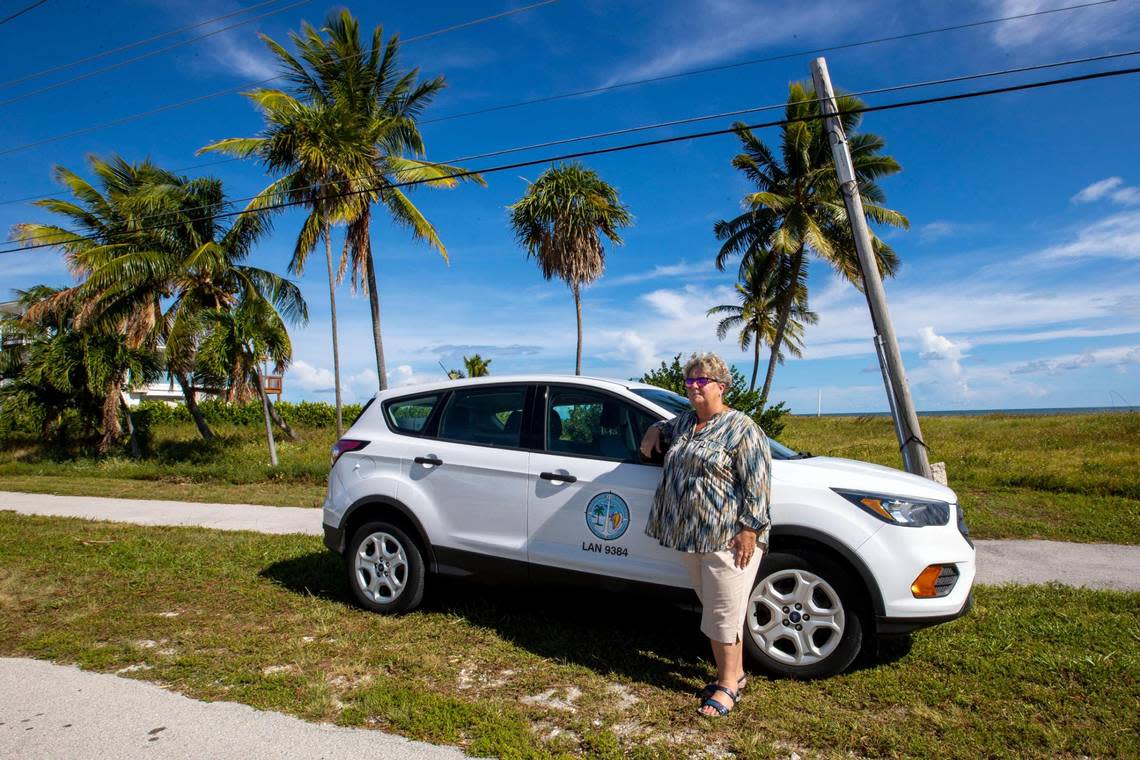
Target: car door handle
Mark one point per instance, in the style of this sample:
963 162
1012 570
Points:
558 476
432 460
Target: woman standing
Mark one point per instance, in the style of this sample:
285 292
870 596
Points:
712 505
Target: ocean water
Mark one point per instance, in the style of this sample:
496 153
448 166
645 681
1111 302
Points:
977 412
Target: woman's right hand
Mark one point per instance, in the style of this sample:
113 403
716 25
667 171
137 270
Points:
651 442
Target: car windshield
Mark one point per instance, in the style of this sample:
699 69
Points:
677 404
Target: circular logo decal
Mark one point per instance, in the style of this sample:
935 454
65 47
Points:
607 516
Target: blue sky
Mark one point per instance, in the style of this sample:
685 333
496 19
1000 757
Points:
1020 284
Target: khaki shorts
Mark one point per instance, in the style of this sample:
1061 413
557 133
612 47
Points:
723 589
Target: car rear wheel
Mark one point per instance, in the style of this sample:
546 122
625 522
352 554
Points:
385 568
803 618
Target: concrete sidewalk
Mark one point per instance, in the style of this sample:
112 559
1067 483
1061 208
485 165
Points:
1099 566
54 711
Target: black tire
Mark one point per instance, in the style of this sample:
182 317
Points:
397 588
780 649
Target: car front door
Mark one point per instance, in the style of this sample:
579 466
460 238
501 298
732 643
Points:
474 474
589 494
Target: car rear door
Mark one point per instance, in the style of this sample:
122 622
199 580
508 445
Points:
589 494
474 474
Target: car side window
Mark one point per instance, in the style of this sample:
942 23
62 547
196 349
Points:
586 423
408 415
490 416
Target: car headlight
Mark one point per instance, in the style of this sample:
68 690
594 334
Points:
899 510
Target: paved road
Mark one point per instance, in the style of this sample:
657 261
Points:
1105 566
56 711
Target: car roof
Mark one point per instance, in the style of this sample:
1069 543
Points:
596 382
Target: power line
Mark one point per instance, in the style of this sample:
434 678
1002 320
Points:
693 120
22 11
768 59
133 45
239 88
659 141
148 54
231 90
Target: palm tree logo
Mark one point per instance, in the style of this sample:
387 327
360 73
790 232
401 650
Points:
607 516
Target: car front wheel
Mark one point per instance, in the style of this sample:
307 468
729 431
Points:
385 568
803 620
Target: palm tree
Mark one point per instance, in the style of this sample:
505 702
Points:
57 367
102 226
237 341
476 366
370 108
797 208
757 315
305 144
560 221
182 255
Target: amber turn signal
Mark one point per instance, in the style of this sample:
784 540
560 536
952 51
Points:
923 586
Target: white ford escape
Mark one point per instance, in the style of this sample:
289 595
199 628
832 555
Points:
539 478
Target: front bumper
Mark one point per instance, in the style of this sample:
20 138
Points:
893 626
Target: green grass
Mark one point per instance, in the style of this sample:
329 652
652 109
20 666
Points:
1069 477
1065 477
1033 672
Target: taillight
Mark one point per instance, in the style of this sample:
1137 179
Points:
343 446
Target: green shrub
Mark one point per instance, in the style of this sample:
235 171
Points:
672 377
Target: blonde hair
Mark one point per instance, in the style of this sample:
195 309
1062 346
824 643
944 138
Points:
711 364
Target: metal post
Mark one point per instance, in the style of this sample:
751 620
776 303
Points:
906 419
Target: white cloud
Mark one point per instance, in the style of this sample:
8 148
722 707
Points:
707 32
928 233
680 269
943 359
1117 357
1114 237
1112 188
1054 31
230 53
310 378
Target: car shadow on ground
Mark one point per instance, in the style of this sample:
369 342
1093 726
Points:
656 641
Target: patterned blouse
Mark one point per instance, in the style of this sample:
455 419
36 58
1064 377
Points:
715 482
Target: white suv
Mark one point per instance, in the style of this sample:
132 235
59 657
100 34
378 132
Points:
539 478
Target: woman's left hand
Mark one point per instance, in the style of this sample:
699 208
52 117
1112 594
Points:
743 546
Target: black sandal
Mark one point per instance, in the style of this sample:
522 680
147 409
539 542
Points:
721 710
710 688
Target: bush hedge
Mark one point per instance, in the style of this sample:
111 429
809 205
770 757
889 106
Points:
302 414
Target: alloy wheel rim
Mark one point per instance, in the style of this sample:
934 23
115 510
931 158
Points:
381 567
796 617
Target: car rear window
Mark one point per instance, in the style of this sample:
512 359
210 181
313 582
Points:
408 415
489 416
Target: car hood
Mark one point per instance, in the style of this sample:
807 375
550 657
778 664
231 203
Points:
850 474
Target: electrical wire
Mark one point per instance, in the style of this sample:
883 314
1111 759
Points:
767 59
650 143
233 202
239 88
227 91
133 45
149 54
21 12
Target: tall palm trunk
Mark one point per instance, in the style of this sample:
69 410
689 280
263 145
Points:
755 360
265 413
111 427
279 421
576 290
335 344
136 450
374 303
785 314
190 396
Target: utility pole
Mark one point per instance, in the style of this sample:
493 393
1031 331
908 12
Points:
898 392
